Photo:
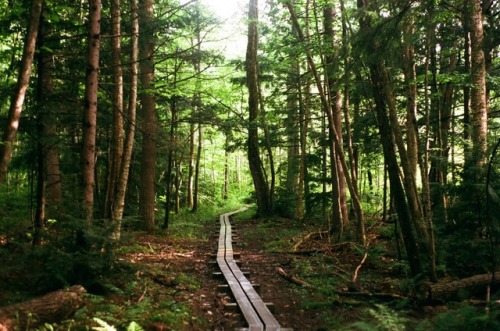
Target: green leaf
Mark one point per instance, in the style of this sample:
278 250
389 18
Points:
133 326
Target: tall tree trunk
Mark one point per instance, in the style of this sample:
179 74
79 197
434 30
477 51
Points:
147 194
197 112
44 121
339 198
382 92
467 64
17 101
479 115
170 161
356 202
90 111
351 137
254 159
119 202
48 120
225 187
293 129
118 134
197 169
303 205
191 165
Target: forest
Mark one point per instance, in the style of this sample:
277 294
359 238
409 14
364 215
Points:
363 137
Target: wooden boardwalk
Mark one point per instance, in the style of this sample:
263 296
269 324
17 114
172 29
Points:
254 310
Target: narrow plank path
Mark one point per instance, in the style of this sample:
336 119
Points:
251 305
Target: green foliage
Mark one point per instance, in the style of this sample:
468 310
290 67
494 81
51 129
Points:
381 318
464 318
103 326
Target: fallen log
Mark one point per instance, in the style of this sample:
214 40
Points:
455 289
370 295
52 307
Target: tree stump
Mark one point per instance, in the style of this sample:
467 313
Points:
52 307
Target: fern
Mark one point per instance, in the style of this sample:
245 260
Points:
103 326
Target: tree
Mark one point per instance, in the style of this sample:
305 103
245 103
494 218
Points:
90 109
147 194
356 202
16 104
255 162
479 109
119 202
116 153
339 199
381 95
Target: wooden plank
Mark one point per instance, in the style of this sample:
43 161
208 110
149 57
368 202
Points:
253 308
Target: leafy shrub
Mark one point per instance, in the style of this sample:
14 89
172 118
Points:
465 318
381 318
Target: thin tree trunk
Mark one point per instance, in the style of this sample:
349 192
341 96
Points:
479 115
381 92
170 161
339 205
303 194
268 148
44 93
191 165
147 194
119 203
225 188
197 114
358 210
293 149
466 88
90 111
116 154
16 104
411 93
48 120
197 169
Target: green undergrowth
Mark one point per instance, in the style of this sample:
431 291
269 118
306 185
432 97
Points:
123 292
330 272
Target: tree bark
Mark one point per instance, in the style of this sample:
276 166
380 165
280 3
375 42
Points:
118 134
254 159
44 93
170 162
197 164
47 120
339 198
119 202
294 181
17 101
90 110
147 194
444 292
190 186
479 115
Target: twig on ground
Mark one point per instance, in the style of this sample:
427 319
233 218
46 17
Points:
355 276
143 295
296 246
292 278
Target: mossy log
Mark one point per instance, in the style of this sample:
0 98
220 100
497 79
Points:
52 307
456 289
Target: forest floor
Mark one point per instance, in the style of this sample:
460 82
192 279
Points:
174 275
165 281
